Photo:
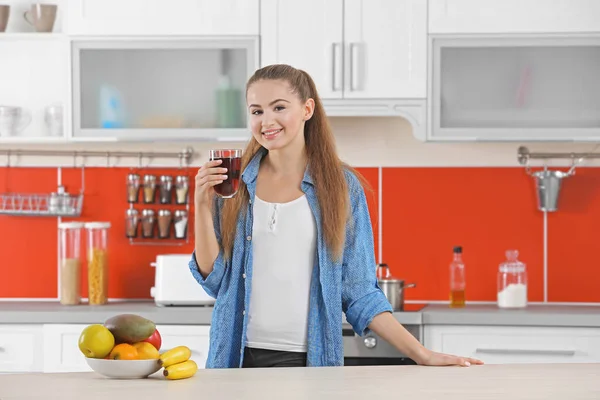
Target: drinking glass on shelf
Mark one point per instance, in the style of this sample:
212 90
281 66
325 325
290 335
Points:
232 160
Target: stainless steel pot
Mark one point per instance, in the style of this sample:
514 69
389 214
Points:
392 288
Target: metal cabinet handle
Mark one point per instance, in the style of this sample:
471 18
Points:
335 66
527 351
355 72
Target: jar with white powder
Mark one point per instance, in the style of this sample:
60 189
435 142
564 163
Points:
512 282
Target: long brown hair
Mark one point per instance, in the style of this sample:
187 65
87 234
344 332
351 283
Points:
325 167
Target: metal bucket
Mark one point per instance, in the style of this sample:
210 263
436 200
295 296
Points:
548 184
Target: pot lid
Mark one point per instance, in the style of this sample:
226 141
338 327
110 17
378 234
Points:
384 274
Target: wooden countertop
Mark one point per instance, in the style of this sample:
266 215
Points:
486 382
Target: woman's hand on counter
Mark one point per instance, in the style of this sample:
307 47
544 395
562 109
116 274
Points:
386 326
433 358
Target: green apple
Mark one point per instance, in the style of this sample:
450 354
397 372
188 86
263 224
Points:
96 341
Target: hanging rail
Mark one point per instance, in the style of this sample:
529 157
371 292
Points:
185 155
524 155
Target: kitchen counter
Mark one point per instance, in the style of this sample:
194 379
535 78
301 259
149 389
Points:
490 382
533 315
55 313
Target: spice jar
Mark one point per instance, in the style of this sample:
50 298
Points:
69 260
97 262
133 188
148 222
181 189
149 188
132 220
512 282
180 223
164 223
166 189
65 201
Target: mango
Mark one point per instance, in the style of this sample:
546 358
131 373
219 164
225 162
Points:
130 328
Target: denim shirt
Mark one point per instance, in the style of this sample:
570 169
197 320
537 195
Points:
349 285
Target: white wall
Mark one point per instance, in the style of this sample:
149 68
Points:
362 142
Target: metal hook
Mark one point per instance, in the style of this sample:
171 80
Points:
8 159
527 166
574 164
108 159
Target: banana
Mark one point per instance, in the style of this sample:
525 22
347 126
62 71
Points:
181 370
176 355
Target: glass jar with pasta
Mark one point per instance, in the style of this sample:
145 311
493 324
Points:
97 262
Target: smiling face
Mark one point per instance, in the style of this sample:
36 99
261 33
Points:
277 114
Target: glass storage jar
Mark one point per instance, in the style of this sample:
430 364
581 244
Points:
132 220
181 189
149 188
166 189
180 223
97 262
512 282
69 260
133 188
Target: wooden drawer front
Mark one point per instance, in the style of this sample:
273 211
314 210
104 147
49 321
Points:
505 345
20 348
196 337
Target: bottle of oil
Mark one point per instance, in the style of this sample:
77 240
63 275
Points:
457 279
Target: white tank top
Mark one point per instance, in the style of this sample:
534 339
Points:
284 237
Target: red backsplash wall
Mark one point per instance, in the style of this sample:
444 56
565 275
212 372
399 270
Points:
426 211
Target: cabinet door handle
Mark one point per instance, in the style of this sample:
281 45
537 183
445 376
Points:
550 352
335 65
1 349
355 70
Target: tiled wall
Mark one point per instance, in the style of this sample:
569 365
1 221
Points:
431 199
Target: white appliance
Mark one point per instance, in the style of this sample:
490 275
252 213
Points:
174 284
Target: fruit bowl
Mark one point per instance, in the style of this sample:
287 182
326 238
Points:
123 369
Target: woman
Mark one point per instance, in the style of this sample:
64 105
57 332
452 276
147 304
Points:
294 248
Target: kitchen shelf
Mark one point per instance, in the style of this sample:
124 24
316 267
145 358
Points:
18 204
33 36
159 242
33 139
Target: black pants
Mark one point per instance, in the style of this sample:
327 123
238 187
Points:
261 358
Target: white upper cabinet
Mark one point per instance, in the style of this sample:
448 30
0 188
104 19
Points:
353 49
386 48
513 16
307 36
171 88
515 89
159 17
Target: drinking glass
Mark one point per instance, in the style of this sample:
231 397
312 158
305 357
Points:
232 160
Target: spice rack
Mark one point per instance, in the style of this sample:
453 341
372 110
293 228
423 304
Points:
164 215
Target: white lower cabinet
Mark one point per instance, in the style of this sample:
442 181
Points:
196 337
516 345
21 348
61 350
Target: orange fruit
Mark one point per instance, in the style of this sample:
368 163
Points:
146 351
123 351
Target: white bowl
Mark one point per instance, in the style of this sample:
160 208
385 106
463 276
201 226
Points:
123 369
